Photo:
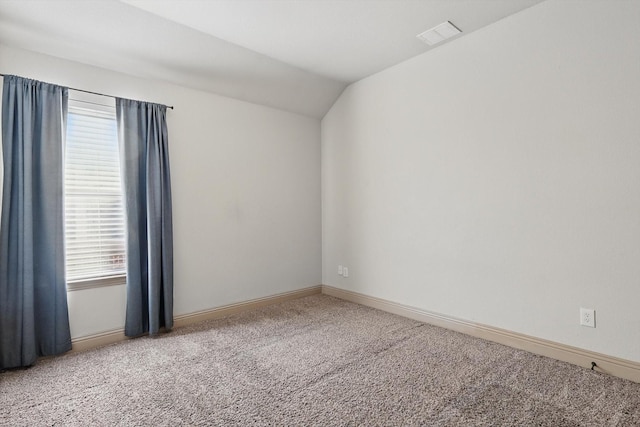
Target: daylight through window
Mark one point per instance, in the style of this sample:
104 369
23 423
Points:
94 216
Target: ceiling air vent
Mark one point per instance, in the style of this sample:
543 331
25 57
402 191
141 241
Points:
439 33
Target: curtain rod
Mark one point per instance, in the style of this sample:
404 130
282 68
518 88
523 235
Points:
85 91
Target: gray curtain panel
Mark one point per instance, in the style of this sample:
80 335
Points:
34 318
142 133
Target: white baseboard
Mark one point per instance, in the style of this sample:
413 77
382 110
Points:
116 335
611 365
608 364
97 340
228 310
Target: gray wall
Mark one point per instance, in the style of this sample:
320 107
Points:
246 193
495 179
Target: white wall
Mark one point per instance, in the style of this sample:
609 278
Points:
496 178
246 193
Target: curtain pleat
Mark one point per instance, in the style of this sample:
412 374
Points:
142 133
34 318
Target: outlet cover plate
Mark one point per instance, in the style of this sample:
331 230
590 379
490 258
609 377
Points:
588 317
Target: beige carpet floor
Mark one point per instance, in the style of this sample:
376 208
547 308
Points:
314 361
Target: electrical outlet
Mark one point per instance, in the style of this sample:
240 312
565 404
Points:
588 317
339 270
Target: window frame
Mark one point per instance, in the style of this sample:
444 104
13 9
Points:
100 104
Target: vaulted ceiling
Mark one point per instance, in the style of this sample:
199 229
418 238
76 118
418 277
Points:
289 54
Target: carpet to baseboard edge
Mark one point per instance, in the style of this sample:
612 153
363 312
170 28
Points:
618 367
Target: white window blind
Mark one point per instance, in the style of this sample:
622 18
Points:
94 215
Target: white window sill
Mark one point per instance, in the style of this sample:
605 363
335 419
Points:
79 285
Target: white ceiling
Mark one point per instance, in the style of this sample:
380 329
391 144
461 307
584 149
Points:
296 55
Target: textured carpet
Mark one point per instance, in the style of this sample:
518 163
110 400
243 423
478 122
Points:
313 361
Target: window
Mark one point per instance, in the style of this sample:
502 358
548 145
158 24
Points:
94 215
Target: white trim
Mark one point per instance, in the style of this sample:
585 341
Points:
97 282
611 365
622 368
116 335
97 340
228 310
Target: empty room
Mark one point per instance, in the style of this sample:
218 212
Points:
320 212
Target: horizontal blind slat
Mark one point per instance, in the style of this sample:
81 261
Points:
94 212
